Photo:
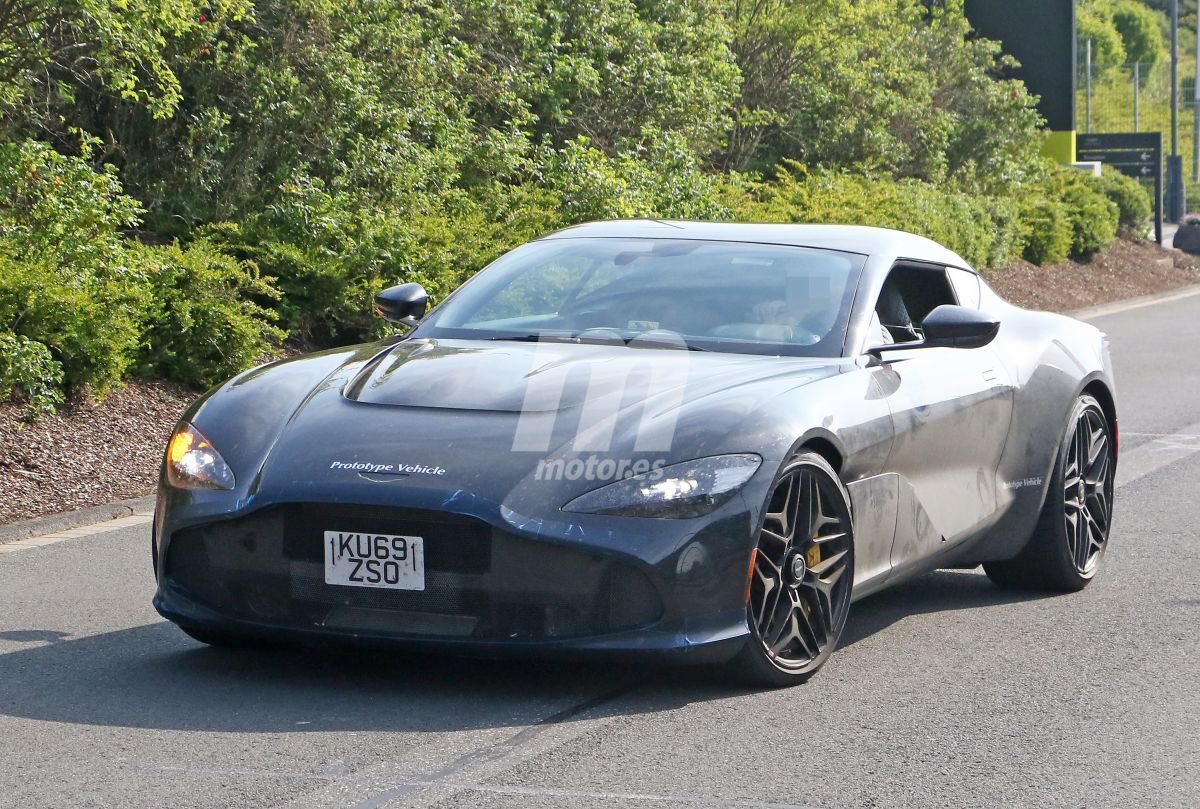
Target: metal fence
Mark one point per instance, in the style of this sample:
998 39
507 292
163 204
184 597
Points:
1137 98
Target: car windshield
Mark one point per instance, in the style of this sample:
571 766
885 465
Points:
701 295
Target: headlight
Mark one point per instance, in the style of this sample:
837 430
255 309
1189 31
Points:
688 489
193 463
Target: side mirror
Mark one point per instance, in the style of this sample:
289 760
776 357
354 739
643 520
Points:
958 327
402 304
950 327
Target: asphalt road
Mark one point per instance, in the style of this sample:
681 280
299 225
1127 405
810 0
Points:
947 691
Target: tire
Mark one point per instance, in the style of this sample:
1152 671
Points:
801 576
1071 535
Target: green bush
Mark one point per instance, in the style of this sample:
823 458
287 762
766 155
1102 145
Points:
983 230
66 280
81 305
332 252
1048 230
203 321
660 180
1065 213
1133 201
1094 217
1009 231
1140 31
89 323
28 372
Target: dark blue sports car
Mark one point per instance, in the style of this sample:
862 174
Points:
701 440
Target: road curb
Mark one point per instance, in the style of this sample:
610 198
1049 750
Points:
1135 303
16 531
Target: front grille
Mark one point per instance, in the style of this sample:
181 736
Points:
443 592
480 582
453 543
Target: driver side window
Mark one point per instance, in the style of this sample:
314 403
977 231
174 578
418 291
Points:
908 295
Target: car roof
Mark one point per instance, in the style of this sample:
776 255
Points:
869 241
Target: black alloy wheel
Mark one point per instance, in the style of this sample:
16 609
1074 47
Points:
801 576
1088 490
1068 544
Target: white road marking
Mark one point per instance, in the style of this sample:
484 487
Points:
422 783
625 797
573 796
76 533
1162 451
1161 435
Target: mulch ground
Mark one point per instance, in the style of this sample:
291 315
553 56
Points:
1125 270
91 453
87 454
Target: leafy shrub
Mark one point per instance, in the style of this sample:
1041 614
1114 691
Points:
1009 230
88 322
660 180
1094 217
57 208
1093 22
1063 214
84 305
983 230
29 372
1140 31
1133 201
1048 230
330 253
203 321
65 276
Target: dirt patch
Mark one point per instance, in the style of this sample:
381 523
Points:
94 453
87 454
1125 270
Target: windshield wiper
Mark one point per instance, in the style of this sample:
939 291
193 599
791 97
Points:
535 338
666 344
584 339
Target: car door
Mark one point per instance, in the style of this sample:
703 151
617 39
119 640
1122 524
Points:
951 409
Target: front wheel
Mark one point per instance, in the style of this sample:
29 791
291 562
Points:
1071 536
801 576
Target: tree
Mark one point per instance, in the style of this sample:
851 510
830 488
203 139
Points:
49 50
1140 31
824 83
612 71
1094 25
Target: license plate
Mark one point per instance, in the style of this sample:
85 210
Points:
374 560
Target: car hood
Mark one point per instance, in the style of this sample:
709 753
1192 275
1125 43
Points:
443 420
514 377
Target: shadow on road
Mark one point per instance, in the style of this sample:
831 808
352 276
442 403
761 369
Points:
942 591
153 677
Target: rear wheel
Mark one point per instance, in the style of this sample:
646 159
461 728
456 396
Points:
801 575
1071 536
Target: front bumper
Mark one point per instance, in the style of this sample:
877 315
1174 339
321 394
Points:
492 587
